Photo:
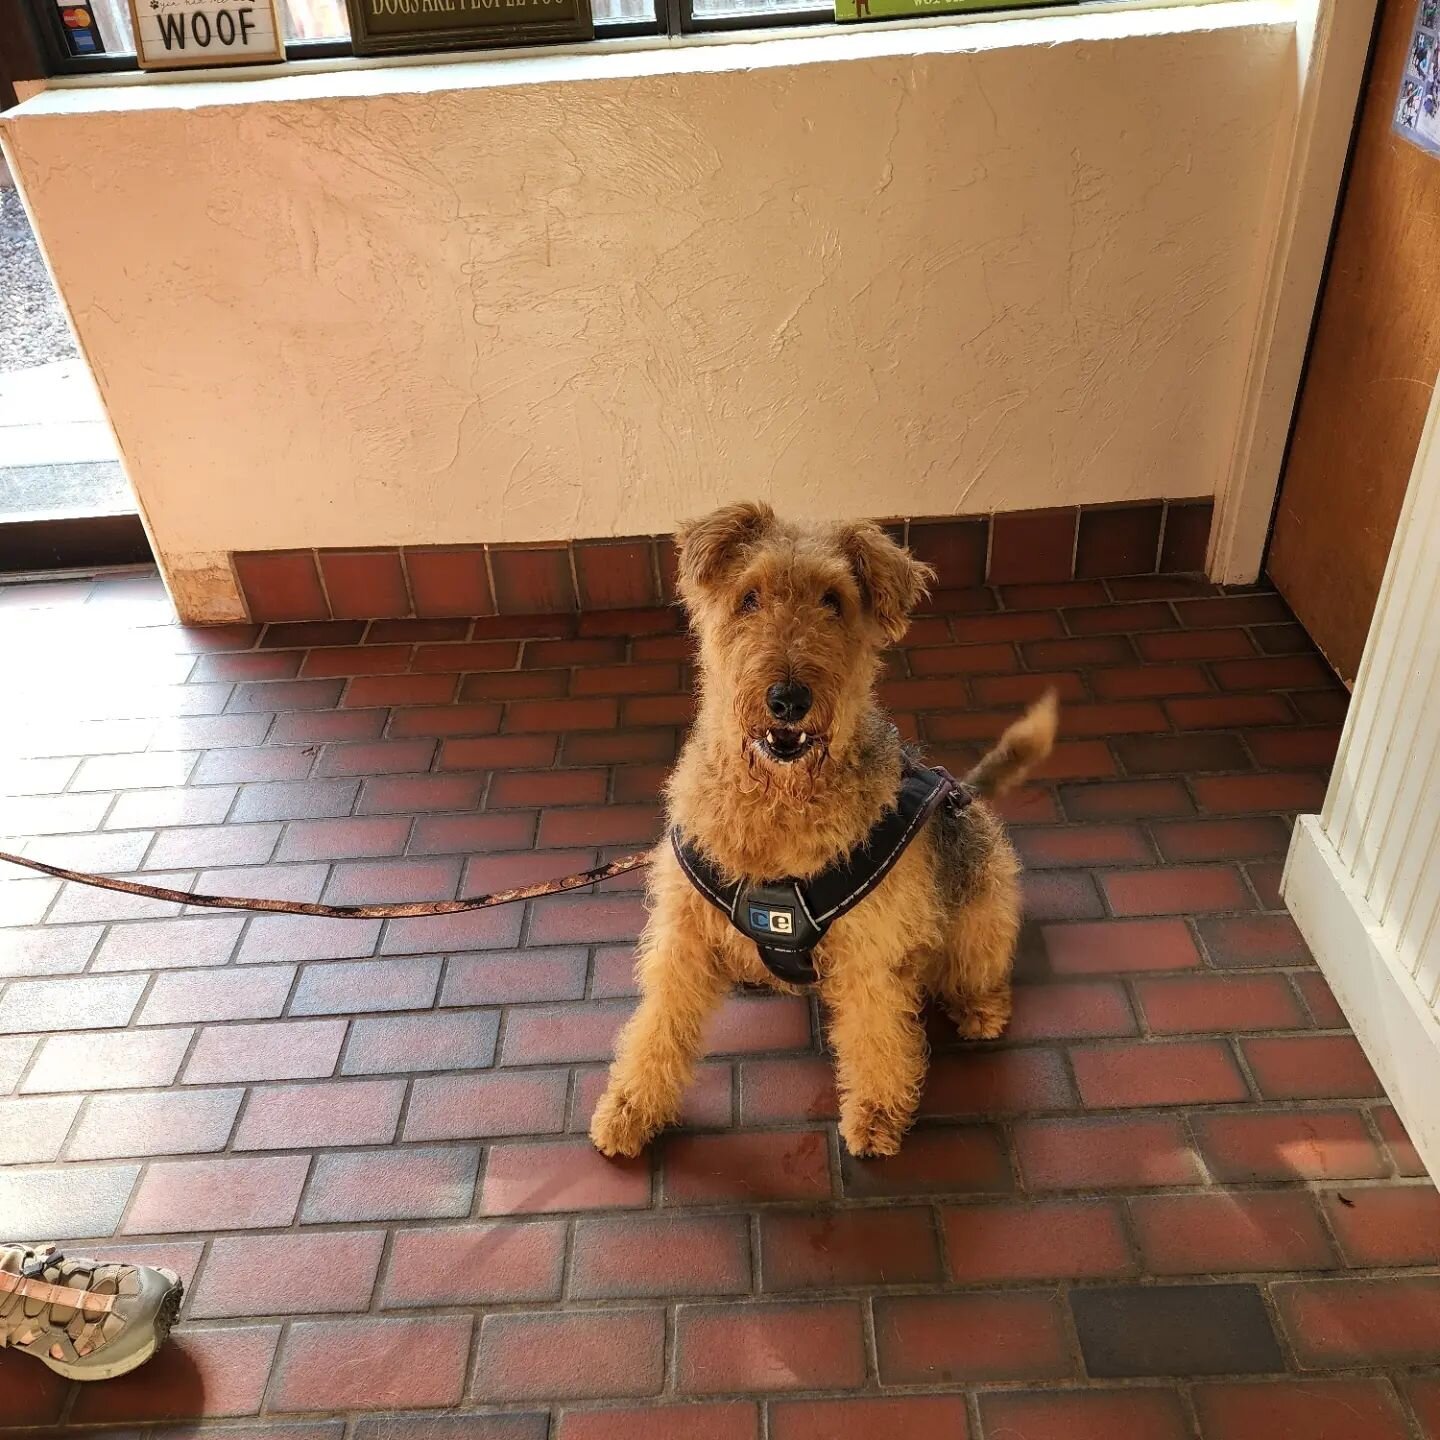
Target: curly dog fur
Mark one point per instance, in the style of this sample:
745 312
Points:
772 603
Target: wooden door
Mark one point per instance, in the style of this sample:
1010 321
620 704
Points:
1370 372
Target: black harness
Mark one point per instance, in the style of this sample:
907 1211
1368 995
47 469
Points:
788 918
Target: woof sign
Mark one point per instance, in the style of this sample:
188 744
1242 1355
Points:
188 34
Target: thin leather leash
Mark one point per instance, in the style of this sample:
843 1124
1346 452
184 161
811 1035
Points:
400 911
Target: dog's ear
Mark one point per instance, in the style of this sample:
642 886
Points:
708 547
892 581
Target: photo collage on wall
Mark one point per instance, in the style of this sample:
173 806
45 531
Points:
1417 109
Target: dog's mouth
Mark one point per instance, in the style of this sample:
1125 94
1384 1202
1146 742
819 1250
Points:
784 745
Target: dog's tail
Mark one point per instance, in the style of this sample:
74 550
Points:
1022 747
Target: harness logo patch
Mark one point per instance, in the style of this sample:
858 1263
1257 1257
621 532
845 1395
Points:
776 922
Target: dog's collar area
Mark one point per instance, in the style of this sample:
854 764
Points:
787 918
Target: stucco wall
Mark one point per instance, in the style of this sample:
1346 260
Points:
906 271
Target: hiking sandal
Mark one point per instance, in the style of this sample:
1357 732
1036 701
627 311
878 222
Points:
85 1319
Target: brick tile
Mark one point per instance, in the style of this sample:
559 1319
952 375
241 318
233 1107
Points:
622 748
1133 1330
1281 672
1295 749
271 882
1334 1323
497 929
640 783
456 1107
996 690
370 882
407 632
1189 645
1320 1001
561 1175
163 1123
996 1082
364 985
598 1354
280 585
1386 1225
840 1249
204 845
1230 1233
1247 794
734 1420
446 720
365 691
301 635
1300 1410
515 685
1059 895
33 1131
183 996
1056 1239
644 711
465 834
197 1195
299 1117
1212 1003
634 1257
1118 540
266 696
649 621
563 1033
448 582
509 977
295 800
376 757
475 1265
1310 1067
43 1206
342 660
1126 800
118 1061
88 1003
769 1347
214 1373
1012 625
1150 681
1104 1154
614 825
282 1050
58 950
1398 1142
1118 946
406 794
410 1183
1078 650
532 579
547 787
304 937
1082 845
919 1417
630 679
494 752
372 1364
321 726
710 1169
967 1159
1425 1398
929 1340
421 1042
789 1089
1224 712
1120 619
1288 1145
1030 546
33 1395
1180 1072
1082 1010
955 548
1058 593
171 943
571 919
1189 890
547 716
477 656
1189 840
1138 1414
1253 940
305 1274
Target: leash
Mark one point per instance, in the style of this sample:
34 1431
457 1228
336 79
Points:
406 911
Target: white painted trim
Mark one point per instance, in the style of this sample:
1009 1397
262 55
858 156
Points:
1332 42
1399 1033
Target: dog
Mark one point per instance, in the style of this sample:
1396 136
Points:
790 764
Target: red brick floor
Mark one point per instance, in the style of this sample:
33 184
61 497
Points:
1173 1203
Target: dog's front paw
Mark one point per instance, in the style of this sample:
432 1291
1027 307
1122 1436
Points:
870 1130
619 1126
984 1017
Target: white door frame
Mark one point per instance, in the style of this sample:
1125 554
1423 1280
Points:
1332 45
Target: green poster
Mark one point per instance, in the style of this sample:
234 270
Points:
896 9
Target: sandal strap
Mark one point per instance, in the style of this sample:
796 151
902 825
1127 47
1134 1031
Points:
62 1295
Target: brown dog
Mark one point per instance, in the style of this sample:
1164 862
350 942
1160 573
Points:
790 763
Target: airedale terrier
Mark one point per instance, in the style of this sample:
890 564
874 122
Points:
792 769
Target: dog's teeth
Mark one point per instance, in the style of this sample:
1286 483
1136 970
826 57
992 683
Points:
804 736
770 737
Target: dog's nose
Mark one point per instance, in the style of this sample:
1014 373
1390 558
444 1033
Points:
789 701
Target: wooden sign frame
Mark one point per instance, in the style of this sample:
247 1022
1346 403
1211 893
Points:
191 12
464 24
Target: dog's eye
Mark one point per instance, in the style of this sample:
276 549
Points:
831 601
750 603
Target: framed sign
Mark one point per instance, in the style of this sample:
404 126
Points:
398 27
896 9
1417 108
190 34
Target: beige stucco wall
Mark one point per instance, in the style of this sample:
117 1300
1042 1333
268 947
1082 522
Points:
903 271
